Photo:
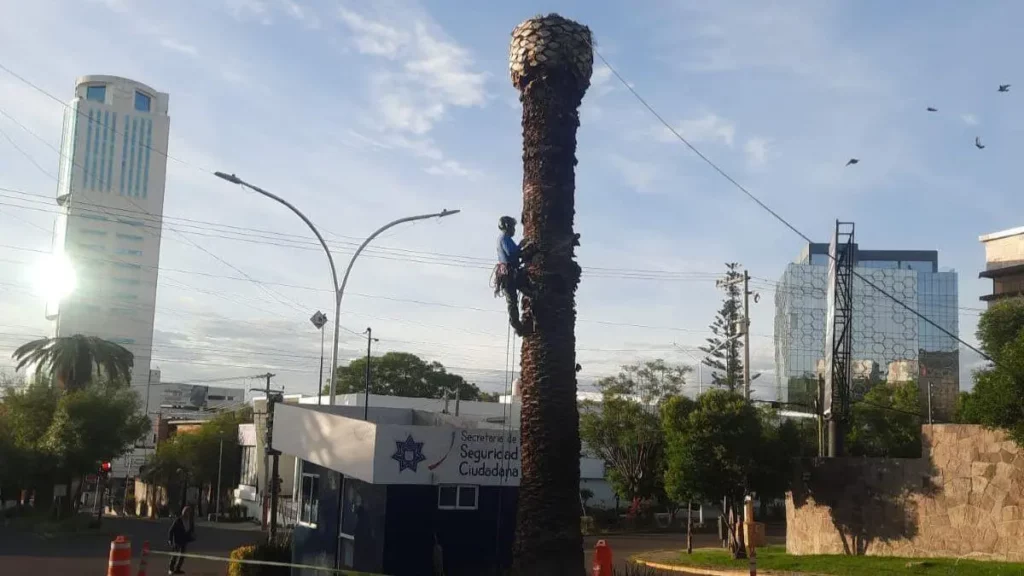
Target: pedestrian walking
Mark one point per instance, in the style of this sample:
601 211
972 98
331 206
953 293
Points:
182 531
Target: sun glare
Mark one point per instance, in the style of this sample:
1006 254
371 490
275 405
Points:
54 277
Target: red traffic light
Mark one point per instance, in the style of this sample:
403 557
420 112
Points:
105 467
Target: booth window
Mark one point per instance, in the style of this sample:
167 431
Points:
310 499
457 497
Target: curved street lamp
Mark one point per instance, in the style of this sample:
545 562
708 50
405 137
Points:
339 291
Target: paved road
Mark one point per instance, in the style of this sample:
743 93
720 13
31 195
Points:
85 554
626 545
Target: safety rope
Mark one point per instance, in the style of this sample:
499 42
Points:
506 413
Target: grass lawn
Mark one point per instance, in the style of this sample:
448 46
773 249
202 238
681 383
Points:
775 558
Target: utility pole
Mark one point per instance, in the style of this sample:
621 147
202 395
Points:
366 396
220 464
929 403
270 475
746 334
458 396
743 324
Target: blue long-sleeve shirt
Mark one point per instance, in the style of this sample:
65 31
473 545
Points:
508 250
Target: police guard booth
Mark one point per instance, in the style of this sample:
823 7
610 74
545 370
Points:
405 493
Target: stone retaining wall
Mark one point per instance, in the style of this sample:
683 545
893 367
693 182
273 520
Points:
964 497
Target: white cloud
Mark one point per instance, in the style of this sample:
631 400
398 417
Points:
256 9
430 73
756 149
373 37
600 80
450 168
969 119
708 128
176 46
301 14
637 175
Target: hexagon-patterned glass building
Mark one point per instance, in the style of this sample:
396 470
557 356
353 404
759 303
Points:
890 343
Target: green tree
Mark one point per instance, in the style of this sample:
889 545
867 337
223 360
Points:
26 412
723 348
886 423
718 450
624 430
97 423
195 458
72 361
995 400
57 437
404 374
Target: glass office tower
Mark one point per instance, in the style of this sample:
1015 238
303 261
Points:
890 343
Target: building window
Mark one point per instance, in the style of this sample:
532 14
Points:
457 497
132 237
127 281
142 102
90 232
96 93
129 251
127 265
310 499
131 222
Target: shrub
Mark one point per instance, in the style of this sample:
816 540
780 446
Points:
279 550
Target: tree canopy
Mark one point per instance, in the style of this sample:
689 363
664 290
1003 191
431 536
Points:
995 400
405 374
51 435
886 422
719 448
72 361
194 456
624 430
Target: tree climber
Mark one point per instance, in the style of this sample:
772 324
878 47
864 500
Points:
509 276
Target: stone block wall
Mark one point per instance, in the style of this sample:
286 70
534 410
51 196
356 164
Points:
963 498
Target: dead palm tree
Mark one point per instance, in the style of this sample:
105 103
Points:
550 60
72 360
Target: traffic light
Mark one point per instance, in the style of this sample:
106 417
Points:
105 467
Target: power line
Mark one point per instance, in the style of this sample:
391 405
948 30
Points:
60 153
268 238
765 207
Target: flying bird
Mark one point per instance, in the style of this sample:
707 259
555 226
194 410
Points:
978 144
852 161
930 109
1004 87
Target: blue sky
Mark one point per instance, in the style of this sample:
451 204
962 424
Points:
362 112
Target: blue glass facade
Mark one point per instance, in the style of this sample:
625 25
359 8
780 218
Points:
890 343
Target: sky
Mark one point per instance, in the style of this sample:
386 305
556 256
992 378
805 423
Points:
360 113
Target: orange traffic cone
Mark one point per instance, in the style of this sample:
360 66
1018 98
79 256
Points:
602 559
142 560
120 562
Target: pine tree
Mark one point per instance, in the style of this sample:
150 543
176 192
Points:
725 359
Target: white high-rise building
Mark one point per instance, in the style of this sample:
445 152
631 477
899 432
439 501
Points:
111 193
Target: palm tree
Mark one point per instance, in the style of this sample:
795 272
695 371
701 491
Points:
72 360
550 60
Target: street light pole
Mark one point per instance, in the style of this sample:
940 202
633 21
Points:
339 292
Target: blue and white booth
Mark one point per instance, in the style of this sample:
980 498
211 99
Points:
404 493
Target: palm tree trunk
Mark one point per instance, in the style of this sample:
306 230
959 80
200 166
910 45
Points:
551 62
